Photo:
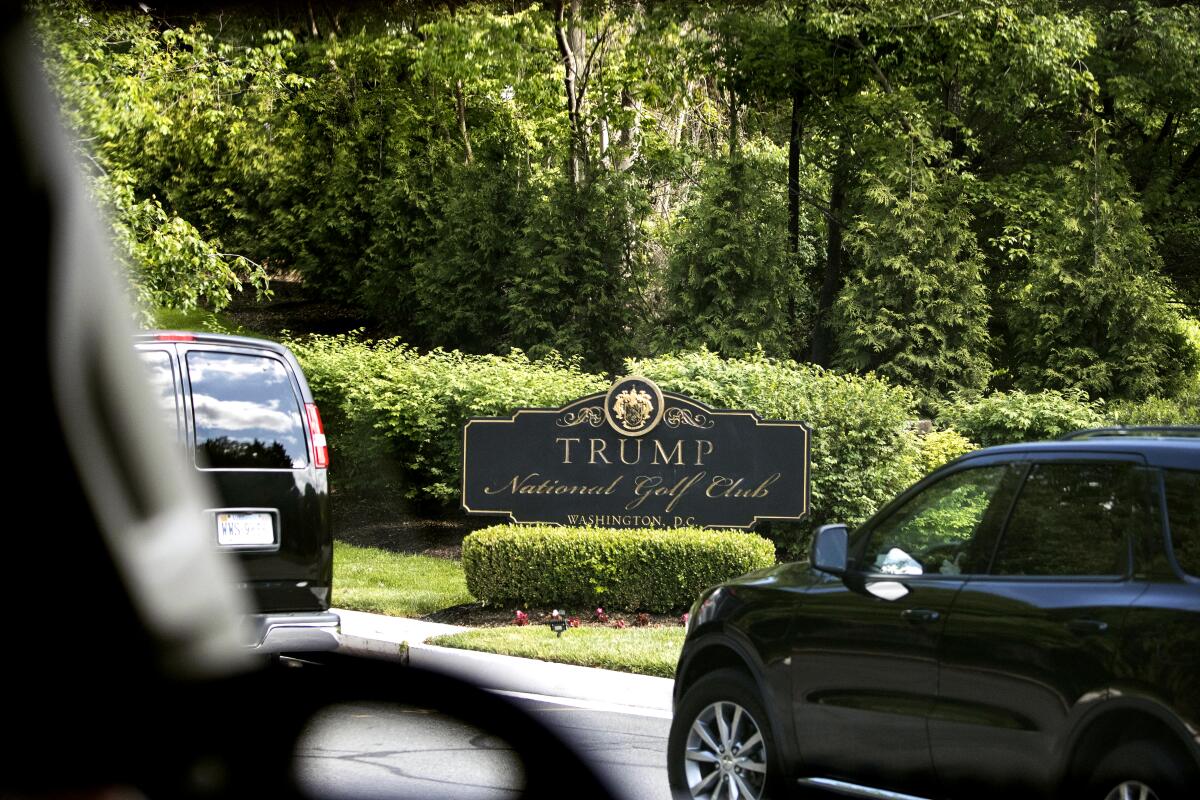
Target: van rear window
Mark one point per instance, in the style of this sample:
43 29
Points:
1183 513
246 412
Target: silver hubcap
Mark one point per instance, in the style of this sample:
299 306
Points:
726 758
1131 790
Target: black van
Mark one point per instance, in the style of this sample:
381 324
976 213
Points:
244 413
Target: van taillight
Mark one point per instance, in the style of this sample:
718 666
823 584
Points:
317 432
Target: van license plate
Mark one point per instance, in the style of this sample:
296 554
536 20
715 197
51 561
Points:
246 528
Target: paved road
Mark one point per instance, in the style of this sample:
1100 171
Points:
390 751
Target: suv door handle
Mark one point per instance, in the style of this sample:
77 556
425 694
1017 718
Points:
916 615
1083 627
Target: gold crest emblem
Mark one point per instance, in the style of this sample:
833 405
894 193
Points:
634 408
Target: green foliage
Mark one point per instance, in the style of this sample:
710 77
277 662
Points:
144 101
396 415
1183 409
1089 309
1016 416
579 277
1015 181
171 265
936 448
862 453
733 285
915 309
645 651
648 570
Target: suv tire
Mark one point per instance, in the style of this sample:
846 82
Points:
1141 770
721 733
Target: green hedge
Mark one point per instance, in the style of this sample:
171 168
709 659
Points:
395 416
635 570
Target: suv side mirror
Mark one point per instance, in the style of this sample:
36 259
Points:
829 549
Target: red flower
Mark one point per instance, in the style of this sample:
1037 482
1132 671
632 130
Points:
600 616
684 619
620 624
522 618
643 619
573 622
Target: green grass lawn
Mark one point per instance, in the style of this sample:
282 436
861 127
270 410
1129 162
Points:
382 582
648 651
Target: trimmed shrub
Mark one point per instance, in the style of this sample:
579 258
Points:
862 451
635 570
1017 416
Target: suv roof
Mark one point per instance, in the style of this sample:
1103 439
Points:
1185 431
1179 452
208 338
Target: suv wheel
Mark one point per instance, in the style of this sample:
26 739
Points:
1140 770
721 744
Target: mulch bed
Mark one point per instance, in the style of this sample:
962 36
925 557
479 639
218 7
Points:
477 616
384 526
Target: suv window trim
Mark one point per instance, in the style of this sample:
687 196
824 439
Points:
190 415
1166 541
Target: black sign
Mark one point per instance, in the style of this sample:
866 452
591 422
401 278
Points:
636 457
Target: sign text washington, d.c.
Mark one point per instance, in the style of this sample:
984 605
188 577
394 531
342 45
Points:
636 456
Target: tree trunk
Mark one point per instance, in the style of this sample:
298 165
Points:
793 178
570 38
735 156
822 341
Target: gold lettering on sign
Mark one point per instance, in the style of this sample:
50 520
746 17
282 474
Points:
676 453
598 451
629 451
647 486
566 447
722 486
529 484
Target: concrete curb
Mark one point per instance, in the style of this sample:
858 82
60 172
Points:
403 641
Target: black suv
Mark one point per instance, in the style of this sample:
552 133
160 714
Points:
245 415
1025 619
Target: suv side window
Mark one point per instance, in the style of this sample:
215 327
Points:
936 531
246 412
1183 515
1072 519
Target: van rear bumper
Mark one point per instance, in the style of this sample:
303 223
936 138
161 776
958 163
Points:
299 632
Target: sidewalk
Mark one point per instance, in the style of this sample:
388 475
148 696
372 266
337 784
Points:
403 640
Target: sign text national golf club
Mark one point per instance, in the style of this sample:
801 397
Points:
636 457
